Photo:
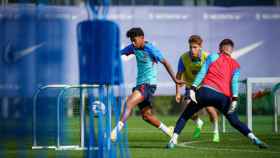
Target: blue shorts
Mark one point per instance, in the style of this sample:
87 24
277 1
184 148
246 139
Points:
147 91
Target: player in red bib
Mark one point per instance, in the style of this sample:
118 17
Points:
218 81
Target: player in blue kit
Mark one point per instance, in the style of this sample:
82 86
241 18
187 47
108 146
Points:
147 57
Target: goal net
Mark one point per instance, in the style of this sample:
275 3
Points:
258 105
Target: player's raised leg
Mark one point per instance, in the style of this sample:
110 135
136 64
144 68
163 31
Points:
133 100
242 128
223 103
149 117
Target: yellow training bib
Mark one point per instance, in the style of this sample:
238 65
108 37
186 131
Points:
192 68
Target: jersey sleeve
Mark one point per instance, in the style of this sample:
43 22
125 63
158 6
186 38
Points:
181 67
128 50
234 82
155 53
204 69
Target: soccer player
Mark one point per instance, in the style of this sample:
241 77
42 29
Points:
218 81
147 56
188 66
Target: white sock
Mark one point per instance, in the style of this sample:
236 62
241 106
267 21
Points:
251 136
119 126
198 122
163 127
215 127
174 138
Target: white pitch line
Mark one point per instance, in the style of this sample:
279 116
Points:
144 130
183 144
187 145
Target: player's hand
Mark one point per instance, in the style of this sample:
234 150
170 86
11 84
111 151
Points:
192 94
180 82
178 98
233 106
181 85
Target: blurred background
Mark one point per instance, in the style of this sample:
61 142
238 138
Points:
226 3
38 47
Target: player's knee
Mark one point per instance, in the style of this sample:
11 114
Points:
194 116
146 115
212 118
128 111
212 111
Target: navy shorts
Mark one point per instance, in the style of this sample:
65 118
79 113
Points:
147 91
187 93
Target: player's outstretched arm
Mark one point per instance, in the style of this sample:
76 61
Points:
234 89
171 73
234 82
127 50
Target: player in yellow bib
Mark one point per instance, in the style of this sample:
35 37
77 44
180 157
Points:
188 67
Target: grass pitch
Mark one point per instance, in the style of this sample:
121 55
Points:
146 141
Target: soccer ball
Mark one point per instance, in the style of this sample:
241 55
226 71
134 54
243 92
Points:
98 107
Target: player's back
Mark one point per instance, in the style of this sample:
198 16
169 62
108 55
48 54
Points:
220 73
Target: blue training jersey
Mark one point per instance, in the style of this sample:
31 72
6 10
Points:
146 59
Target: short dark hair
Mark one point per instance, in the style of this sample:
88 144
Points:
226 41
134 32
195 39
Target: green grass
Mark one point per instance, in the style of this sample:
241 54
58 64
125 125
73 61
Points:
151 142
146 141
